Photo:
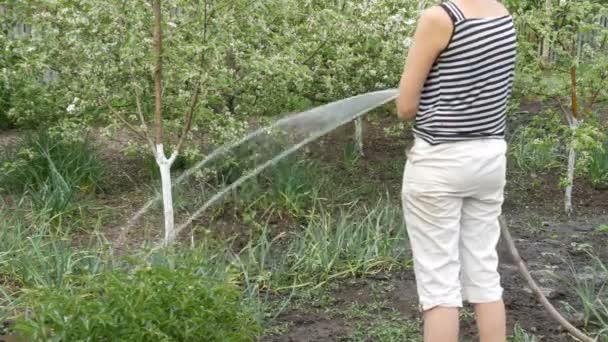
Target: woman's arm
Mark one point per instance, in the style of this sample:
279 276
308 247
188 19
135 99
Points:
431 37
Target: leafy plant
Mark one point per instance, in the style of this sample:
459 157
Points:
147 304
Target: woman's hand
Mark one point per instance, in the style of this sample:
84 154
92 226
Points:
432 35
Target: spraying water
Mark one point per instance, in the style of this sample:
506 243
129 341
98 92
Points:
298 129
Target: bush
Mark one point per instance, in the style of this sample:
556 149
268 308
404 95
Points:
52 170
148 304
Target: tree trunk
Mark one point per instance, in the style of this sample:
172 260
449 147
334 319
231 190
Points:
546 41
164 166
570 177
359 137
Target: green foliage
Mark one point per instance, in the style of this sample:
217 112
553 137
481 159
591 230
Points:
147 304
597 167
331 246
295 185
395 329
52 170
590 286
520 335
32 254
348 244
535 154
282 56
535 148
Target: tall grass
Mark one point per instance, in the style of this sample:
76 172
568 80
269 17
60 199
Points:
597 167
53 172
333 245
34 254
591 286
532 154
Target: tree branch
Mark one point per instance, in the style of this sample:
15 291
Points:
197 88
566 112
189 116
142 135
594 97
140 112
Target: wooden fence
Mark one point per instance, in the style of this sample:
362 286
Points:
582 40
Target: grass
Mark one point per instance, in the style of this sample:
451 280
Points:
597 168
532 154
591 286
389 329
520 335
54 174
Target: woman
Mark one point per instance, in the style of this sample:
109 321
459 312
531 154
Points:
456 83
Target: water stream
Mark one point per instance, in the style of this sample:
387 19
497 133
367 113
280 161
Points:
297 129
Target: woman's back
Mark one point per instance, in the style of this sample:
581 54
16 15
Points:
467 89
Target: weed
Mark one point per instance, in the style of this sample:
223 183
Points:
603 228
34 255
392 329
520 335
52 171
350 244
533 154
590 286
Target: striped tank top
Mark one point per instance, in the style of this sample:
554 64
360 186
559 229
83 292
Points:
466 93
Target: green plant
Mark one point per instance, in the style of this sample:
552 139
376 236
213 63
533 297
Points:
520 335
534 151
597 167
349 243
33 254
147 304
295 185
388 330
591 285
54 171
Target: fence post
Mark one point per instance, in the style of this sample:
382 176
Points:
359 137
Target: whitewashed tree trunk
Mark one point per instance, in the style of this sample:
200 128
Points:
359 137
570 175
164 166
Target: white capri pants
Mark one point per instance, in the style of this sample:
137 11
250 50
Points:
452 197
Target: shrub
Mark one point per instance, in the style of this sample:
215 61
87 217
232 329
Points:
148 304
